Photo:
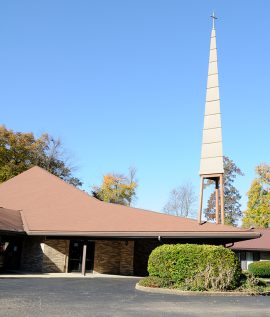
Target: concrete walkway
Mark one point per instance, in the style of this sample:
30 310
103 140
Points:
62 275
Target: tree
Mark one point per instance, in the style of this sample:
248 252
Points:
258 208
21 151
232 206
181 201
117 188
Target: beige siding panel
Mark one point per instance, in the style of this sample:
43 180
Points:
211 150
211 155
212 121
212 94
212 81
212 135
212 107
213 44
211 165
213 69
213 56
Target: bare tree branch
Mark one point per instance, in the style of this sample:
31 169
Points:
181 201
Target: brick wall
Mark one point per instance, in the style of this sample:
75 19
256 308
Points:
32 254
55 256
114 257
39 255
126 257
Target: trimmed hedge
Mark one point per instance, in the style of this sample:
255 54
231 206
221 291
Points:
196 267
260 269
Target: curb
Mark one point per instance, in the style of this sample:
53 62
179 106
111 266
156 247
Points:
168 291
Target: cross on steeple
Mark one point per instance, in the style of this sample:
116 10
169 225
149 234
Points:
213 18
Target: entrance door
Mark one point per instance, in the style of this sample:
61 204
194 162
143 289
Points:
11 255
76 255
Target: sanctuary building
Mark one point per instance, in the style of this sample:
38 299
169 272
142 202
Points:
47 225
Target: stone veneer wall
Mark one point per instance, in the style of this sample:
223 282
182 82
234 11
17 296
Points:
114 257
48 256
32 254
55 256
126 257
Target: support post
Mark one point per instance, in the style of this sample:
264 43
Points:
84 258
217 200
222 199
201 201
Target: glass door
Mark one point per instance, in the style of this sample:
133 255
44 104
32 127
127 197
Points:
76 255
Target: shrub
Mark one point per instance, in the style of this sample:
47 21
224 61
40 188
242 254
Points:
249 281
251 285
155 281
260 269
196 267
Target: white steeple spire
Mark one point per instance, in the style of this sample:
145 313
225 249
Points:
212 156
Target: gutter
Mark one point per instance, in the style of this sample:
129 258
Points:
138 234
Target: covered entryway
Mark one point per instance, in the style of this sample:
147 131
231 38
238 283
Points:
81 256
11 239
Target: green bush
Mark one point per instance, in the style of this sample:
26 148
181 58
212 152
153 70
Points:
155 281
252 285
196 267
249 281
260 269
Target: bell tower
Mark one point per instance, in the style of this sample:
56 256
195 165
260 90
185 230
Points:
211 166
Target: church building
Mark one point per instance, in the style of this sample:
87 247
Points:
47 225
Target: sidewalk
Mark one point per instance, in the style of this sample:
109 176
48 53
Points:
61 275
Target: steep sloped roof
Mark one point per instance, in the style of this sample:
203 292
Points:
50 206
262 243
10 221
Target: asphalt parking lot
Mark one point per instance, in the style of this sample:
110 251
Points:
114 297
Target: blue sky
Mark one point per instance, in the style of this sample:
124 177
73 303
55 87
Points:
123 83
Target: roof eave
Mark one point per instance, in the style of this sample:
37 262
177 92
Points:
163 234
250 249
12 232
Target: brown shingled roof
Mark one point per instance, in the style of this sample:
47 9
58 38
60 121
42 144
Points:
262 243
10 221
49 206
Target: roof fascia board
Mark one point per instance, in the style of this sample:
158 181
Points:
219 235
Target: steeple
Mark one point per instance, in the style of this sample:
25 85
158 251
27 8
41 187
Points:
211 166
211 156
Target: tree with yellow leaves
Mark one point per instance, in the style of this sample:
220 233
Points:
117 188
257 214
